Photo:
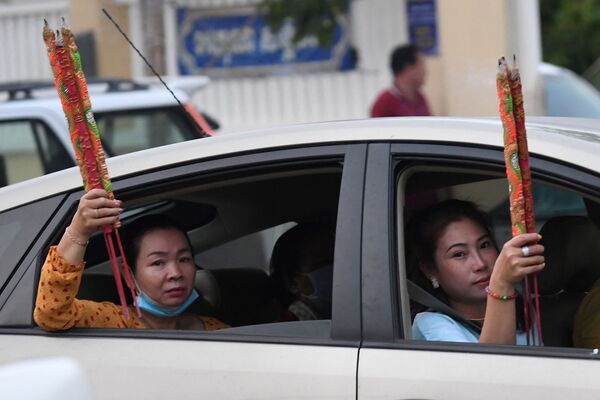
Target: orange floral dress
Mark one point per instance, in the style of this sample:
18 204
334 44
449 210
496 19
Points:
56 307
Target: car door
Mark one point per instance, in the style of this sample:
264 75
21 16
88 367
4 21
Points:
402 177
299 359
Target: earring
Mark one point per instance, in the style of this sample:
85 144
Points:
434 282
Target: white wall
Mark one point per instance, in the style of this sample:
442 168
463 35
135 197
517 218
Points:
23 50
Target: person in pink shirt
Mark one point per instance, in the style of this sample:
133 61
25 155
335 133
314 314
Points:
404 97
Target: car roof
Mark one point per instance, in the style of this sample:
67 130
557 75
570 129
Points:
573 140
109 101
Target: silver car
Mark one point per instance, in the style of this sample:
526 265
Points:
236 194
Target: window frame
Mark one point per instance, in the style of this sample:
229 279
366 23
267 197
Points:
39 127
345 323
383 269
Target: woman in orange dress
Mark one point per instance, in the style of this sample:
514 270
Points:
160 254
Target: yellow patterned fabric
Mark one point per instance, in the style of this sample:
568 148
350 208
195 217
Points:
56 307
586 330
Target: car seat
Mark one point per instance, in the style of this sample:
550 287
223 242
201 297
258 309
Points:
237 296
572 252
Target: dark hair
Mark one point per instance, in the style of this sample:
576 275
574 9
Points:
403 56
308 244
427 226
135 231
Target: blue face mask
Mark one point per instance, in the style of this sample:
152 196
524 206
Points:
322 283
154 308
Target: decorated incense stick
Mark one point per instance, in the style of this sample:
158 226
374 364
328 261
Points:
71 86
511 151
518 173
519 117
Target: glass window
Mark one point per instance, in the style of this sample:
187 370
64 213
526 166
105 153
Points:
263 242
18 228
569 233
134 130
29 149
567 95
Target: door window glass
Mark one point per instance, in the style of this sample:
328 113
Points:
18 228
263 243
29 149
570 236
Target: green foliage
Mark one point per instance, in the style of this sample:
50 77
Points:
309 17
570 32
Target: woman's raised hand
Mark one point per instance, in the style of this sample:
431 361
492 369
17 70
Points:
520 256
95 210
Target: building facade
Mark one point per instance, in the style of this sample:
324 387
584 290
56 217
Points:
464 39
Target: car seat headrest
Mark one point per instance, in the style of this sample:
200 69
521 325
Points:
208 288
572 252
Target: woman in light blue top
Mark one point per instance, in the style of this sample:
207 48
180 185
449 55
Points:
453 248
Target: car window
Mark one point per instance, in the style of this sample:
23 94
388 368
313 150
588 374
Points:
235 220
18 228
29 149
569 96
134 130
561 215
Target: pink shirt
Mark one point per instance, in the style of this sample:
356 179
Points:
392 103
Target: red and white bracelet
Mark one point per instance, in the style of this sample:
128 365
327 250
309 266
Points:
497 296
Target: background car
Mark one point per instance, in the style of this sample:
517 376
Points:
568 95
131 116
592 73
236 194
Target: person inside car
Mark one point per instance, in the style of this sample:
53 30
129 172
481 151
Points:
302 264
454 250
160 255
586 328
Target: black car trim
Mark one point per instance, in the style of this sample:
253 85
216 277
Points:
481 348
348 247
346 327
378 294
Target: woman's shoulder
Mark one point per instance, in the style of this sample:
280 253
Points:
430 325
212 324
433 316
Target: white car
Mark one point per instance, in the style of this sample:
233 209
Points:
568 95
237 193
132 116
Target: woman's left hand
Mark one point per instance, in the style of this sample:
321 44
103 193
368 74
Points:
520 256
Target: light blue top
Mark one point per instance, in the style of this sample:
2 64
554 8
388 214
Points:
440 327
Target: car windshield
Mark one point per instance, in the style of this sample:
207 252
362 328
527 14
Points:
569 96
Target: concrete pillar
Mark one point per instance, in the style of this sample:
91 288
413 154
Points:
524 40
112 50
473 34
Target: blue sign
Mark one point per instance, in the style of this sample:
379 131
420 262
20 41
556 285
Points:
422 25
243 44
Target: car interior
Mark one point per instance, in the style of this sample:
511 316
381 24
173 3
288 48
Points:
233 220
566 219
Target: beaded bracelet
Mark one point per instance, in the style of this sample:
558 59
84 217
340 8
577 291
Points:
74 239
497 296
